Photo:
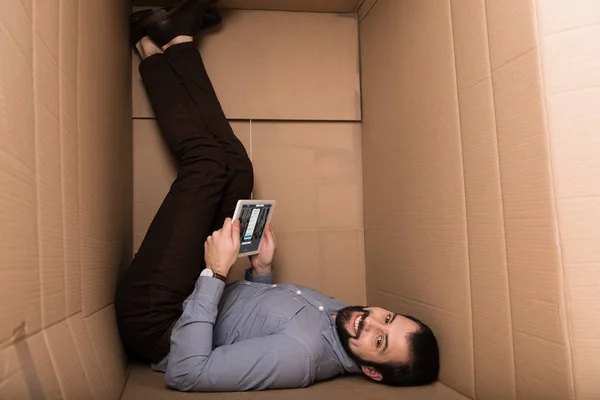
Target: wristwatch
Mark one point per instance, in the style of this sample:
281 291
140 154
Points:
212 274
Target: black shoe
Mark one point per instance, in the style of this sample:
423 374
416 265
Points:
184 19
212 18
136 30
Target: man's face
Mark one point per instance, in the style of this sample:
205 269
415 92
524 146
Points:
374 334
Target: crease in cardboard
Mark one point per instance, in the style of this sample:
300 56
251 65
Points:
514 60
25 357
350 15
404 298
467 242
563 306
501 181
366 5
358 5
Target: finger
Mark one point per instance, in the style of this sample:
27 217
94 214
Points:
270 234
235 234
227 227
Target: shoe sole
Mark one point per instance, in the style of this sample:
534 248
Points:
158 15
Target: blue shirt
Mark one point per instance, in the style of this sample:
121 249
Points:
254 335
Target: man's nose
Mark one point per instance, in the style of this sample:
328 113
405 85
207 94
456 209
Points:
369 323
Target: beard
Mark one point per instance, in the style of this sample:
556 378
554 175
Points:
343 317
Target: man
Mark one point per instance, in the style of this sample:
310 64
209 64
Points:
252 334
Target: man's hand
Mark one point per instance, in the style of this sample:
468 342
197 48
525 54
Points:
222 247
263 261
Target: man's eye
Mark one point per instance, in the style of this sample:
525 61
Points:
379 340
387 320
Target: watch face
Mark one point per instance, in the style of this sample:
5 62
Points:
206 272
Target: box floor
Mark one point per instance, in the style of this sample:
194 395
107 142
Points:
143 383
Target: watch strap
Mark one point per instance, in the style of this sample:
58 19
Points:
216 274
219 276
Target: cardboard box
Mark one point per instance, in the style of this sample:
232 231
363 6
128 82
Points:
436 157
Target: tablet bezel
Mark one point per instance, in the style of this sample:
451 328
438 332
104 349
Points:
238 211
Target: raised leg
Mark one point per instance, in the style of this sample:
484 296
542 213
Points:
170 258
187 63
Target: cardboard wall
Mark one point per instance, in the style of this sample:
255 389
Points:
479 151
65 197
570 53
414 191
290 84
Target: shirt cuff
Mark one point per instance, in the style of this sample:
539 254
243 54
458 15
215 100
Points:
209 288
268 279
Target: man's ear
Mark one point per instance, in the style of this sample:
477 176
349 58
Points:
372 373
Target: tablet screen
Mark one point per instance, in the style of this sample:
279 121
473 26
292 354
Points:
253 220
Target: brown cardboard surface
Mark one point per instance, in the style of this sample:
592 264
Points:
414 192
280 65
48 162
113 364
18 15
571 67
103 147
365 7
12 382
572 101
491 308
64 108
320 260
313 170
533 260
146 384
70 182
69 151
27 371
83 346
332 6
69 370
511 30
337 6
20 297
37 367
492 323
556 16
472 56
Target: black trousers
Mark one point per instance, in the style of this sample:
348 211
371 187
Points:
214 172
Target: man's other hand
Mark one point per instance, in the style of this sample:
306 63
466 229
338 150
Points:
222 247
262 263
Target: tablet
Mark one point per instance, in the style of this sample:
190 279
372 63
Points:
254 215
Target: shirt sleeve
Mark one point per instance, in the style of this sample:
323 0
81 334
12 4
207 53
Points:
270 362
268 279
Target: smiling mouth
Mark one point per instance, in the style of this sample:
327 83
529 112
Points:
356 324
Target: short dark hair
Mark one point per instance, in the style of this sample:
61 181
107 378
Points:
424 363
